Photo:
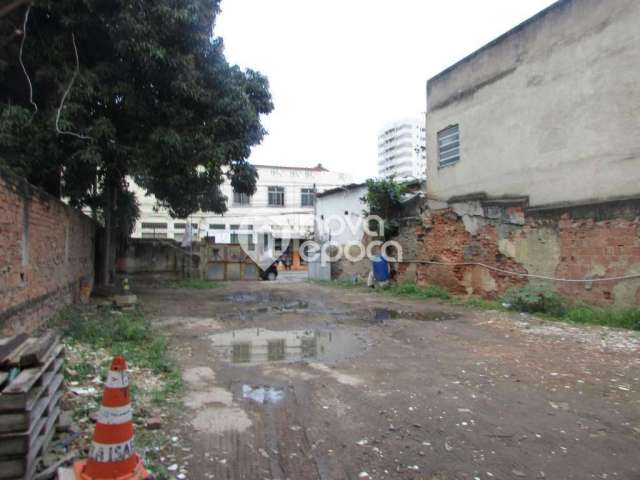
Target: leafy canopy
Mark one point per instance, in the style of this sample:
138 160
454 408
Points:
384 199
153 98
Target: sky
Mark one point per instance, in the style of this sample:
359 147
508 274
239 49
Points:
339 70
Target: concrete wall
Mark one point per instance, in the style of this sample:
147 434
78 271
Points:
451 245
339 215
46 255
550 110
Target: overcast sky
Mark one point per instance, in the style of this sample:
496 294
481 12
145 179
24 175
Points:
340 69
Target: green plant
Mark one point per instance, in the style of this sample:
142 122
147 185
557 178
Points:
411 289
628 317
125 333
535 299
383 199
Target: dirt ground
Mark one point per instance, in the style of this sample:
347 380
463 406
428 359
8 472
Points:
299 381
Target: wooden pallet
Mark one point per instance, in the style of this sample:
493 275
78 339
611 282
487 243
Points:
24 466
29 404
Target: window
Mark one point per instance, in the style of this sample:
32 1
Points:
276 196
241 199
241 352
235 227
235 238
249 242
276 350
265 241
277 244
217 226
182 226
151 225
449 145
154 230
306 197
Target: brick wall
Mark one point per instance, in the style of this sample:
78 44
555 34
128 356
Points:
594 242
573 242
46 255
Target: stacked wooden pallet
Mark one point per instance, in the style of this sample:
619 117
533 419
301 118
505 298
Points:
31 378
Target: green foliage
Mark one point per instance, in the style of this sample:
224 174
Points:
195 283
411 289
535 299
383 199
612 317
154 94
128 334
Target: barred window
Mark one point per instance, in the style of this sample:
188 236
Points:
276 196
449 145
152 225
241 199
307 197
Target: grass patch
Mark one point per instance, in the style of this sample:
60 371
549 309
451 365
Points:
534 299
611 317
92 339
548 304
413 290
125 333
195 283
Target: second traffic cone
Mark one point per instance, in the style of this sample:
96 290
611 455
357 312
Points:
112 455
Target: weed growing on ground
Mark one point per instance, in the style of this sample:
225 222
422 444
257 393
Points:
411 289
534 299
545 302
125 333
195 283
612 317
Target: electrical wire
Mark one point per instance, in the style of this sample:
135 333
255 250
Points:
20 59
528 275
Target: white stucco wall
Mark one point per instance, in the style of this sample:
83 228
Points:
289 221
550 110
339 216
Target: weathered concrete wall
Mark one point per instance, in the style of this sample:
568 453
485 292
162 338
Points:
587 242
549 110
46 255
153 256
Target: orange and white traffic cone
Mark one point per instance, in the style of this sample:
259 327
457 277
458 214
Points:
112 455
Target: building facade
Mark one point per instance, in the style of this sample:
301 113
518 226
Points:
547 111
280 213
340 214
402 149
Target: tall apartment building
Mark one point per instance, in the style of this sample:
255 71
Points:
278 214
402 149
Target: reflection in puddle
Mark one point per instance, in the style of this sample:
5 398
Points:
262 394
257 345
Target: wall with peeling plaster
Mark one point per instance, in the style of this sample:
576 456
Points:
547 111
591 241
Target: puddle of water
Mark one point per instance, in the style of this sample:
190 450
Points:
253 346
262 394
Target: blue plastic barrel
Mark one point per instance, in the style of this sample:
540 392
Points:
380 269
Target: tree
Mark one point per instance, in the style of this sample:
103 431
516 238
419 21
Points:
384 200
128 89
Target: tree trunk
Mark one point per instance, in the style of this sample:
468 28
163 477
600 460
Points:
108 214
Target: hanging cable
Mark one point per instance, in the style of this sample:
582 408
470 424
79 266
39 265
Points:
528 275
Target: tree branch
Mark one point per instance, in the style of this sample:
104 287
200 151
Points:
24 69
66 93
11 7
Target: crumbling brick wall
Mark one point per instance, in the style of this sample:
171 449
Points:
579 242
46 255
